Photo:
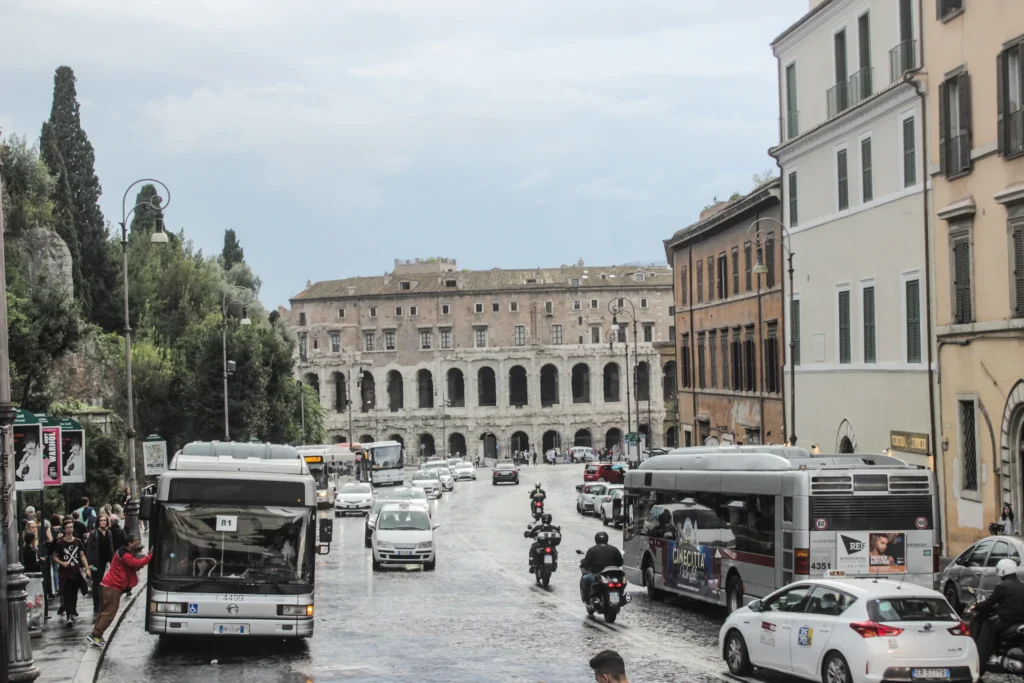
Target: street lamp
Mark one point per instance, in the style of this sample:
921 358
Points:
613 336
617 307
225 303
761 240
131 507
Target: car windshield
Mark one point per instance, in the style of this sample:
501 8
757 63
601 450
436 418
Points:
910 609
592 468
424 476
235 542
438 474
405 520
356 488
505 467
387 457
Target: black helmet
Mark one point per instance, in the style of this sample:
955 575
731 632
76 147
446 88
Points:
546 518
601 538
665 517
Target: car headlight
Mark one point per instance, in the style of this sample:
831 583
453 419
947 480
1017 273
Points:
321 494
168 607
426 544
295 610
384 545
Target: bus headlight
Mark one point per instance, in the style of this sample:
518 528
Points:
295 610
321 494
168 607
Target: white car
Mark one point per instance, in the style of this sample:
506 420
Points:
605 503
354 497
839 630
428 481
404 534
586 501
447 480
464 470
413 496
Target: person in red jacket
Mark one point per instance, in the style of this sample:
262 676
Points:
121 578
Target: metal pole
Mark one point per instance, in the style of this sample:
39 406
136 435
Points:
224 354
760 353
629 418
348 399
131 508
792 356
636 384
16 663
302 403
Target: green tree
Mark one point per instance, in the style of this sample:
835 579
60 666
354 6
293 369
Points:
232 252
27 187
71 160
147 217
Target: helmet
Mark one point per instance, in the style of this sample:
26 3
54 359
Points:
1005 568
665 517
601 538
546 518
537 485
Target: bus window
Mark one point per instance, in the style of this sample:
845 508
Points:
787 508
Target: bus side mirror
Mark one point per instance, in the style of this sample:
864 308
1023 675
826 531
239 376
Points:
579 487
323 550
146 508
326 534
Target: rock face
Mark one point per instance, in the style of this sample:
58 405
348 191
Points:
48 257
86 375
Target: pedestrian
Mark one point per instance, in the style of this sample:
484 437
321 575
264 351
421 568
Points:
55 531
122 577
30 553
80 528
108 509
535 456
117 534
126 495
99 550
69 553
608 667
1006 522
87 514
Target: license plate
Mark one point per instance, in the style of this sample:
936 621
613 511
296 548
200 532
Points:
231 629
929 673
405 553
548 559
613 598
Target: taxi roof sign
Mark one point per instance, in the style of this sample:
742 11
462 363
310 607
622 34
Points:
834 573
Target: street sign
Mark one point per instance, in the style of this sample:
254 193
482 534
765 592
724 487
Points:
630 438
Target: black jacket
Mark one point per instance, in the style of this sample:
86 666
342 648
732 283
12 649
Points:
117 535
600 557
534 492
1006 601
99 548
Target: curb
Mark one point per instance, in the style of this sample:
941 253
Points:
89 667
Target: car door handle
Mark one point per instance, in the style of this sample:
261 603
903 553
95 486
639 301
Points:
785 627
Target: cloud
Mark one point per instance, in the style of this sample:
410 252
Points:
540 176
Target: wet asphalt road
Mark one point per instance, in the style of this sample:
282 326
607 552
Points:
478 617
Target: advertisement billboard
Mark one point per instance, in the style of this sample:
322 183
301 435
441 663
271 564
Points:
28 452
72 448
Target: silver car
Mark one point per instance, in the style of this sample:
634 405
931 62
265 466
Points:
464 470
975 568
353 497
445 475
428 481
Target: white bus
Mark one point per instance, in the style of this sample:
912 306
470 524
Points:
234 534
387 463
728 524
325 464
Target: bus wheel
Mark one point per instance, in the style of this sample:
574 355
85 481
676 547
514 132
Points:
652 592
733 594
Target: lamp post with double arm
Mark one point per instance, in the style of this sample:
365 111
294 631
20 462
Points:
225 304
618 307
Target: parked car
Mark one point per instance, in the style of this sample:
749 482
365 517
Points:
582 454
975 568
610 505
587 499
505 472
614 474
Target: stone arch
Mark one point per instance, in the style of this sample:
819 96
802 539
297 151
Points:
1011 444
426 445
582 438
396 391
646 431
367 391
456 445
581 383
519 441
548 385
456 389
669 381
551 439
518 386
398 438
339 438
487 389
313 380
340 392
643 381
611 383
846 438
425 388
366 438
671 438
490 443
613 438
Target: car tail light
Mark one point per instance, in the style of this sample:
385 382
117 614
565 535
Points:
936 566
803 560
961 629
872 629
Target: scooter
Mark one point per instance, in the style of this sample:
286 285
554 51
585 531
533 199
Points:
544 558
1008 655
607 594
537 505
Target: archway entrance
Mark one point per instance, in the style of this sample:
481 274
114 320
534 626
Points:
518 386
490 443
581 383
398 438
425 388
456 445
340 393
582 438
550 440
613 438
366 438
611 383
426 445
456 388
396 391
671 438
519 442
487 393
548 385
339 438
367 391
845 445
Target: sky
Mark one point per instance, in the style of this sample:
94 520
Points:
335 136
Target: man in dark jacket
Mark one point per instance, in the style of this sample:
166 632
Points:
117 534
1006 602
598 558
122 577
99 551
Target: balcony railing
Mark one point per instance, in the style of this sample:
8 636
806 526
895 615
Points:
902 59
790 125
861 85
838 97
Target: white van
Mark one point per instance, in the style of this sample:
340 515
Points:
583 454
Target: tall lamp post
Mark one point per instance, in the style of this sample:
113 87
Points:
761 239
225 304
617 309
131 508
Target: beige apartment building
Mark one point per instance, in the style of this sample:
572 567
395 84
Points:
973 53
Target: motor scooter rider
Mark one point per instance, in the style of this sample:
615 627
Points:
598 558
544 526
537 489
1006 603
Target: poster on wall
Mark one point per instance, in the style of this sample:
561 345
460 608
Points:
28 453
154 455
52 466
871 552
72 448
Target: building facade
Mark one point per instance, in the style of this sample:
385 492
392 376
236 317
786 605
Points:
729 322
973 54
854 202
486 362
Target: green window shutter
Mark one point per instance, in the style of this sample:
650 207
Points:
793 204
844 327
964 94
913 293
962 280
794 313
944 133
909 154
844 181
1001 92
865 165
869 325
1018 268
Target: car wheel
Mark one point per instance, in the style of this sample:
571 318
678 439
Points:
367 544
836 670
950 593
604 520
733 594
494 483
430 566
736 654
376 565
579 509
652 592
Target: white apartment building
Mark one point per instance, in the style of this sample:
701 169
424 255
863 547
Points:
851 153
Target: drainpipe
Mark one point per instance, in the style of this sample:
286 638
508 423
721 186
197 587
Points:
693 340
787 333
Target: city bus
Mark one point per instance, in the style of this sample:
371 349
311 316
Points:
386 461
316 463
728 524
234 532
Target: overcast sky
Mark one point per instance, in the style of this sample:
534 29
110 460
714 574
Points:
337 135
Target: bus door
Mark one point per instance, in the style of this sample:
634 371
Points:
784 559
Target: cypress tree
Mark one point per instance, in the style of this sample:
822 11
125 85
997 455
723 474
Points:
146 218
232 252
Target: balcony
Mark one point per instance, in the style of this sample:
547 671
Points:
790 125
902 59
861 85
838 97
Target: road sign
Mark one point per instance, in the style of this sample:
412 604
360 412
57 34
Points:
630 438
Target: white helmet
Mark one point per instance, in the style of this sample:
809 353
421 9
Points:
1005 567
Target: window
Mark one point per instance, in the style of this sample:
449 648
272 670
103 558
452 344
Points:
520 335
672 333
1009 112
913 308
446 339
771 360
713 358
478 308
1017 254
711 278
480 337
724 336
841 96
425 338
866 181
414 310
769 259
446 309
595 334
575 282
844 326
451 283
341 312
860 82
793 213
968 449
593 303
723 276
335 342
495 307
684 358
639 277
944 9
746 264
701 375
829 601
792 117
749 359
621 302
373 311
302 319
577 305
398 311
700 282
683 283
955 125
513 306
961 268
794 321
736 354
622 334
368 338
909 154
316 343
643 303
404 285
556 334
303 346
735 270
648 333
843 180
549 308
868 311
389 341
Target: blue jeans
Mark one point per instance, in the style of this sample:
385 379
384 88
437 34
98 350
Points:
586 581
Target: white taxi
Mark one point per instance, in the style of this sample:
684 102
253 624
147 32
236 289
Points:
404 534
840 630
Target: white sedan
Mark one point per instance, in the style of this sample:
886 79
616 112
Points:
465 470
427 481
586 501
839 630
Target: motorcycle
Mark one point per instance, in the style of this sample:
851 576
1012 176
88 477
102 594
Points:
607 594
1008 655
544 558
537 505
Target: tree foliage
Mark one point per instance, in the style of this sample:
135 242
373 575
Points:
27 187
232 253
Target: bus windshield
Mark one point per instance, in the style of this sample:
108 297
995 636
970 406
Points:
242 543
387 457
319 472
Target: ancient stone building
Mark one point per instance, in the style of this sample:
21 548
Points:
485 361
